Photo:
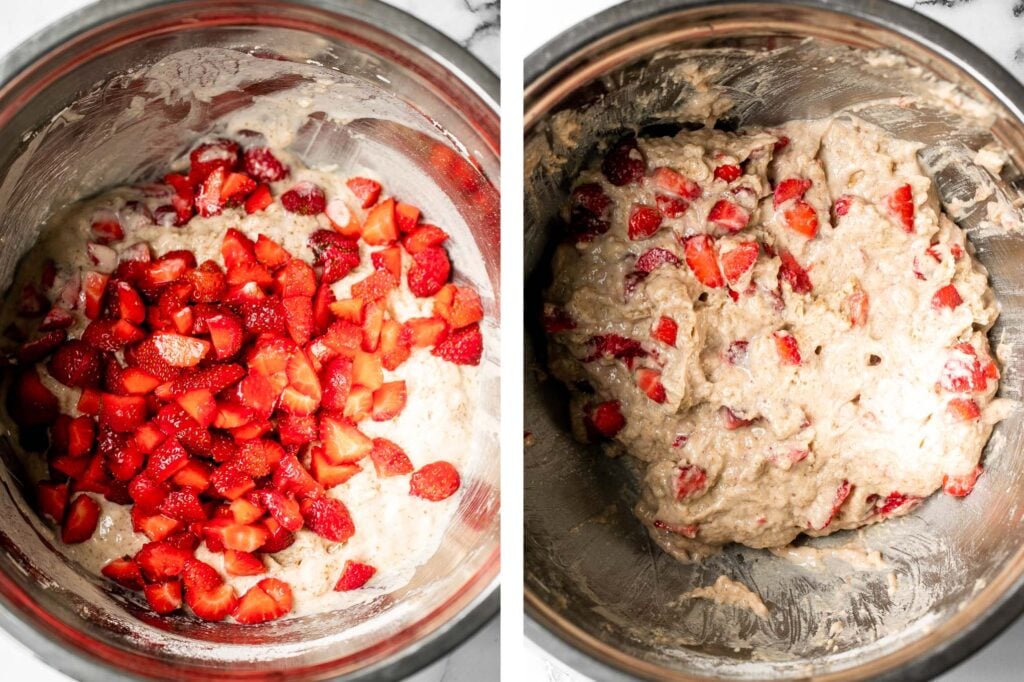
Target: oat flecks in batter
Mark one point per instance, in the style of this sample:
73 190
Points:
782 324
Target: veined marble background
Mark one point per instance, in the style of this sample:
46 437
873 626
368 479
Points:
997 27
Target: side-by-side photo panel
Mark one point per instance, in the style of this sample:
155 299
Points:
772 369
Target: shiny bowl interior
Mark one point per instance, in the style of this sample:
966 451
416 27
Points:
599 593
106 97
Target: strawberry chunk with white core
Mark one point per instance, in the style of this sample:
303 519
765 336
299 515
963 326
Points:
223 399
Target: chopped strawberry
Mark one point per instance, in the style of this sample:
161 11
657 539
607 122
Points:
296 278
654 258
732 217
242 563
793 273
624 163
388 401
328 474
125 460
732 421
52 499
462 346
424 237
328 518
283 509
298 318
426 332
353 576
946 297
365 189
690 480
304 198
279 591
290 477
665 330
256 606
199 576
700 257
964 409
259 200
675 183
200 405
389 260
644 221
618 347
458 306
435 481
156 527
649 381
343 442
336 379
395 346
728 172
31 403
787 347
183 505
407 216
147 494
80 523
737 261
322 308
226 334
429 271
168 459
895 502
375 286
164 597
215 378
790 189
671 207
94 287
380 227
35 350
389 459
842 493
961 486
901 204
123 414
606 418
258 457
210 197
212 605
842 205
210 156
56 318
124 572
359 404
106 228
237 186
195 475
802 218
180 351
261 164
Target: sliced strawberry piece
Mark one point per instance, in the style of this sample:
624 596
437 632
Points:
343 442
793 273
243 538
395 345
195 475
406 216
322 302
283 509
359 404
788 348
700 257
226 334
375 286
618 347
123 414
95 287
337 382
732 421
654 258
294 429
52 499
435 481
671 207
366 370
125 460
327 474
210 156
964 409
790 189
462 346
901 204
260 163
256 606
237 249
80 522
728 172
644 221
388 401
296 278
291 478
732 217
736 353
373 323
895 502
231 482
946 297
423 238
961 486
380 227
31 403
237 186
665 330
606 418
328 518
57 318
673 182
649 381
801 218
166 460
365 189
389 459
388 260
125 572
156 527
214 378
212 605
184 506
199 576
210 198
624 163
429 271
35 350
279 591
426 332
458 306
690 480
738 261
258 457
242 563
180 351
200 405
842 493
147 494
165 597
106 228
259 200
353 576
298 318
305 198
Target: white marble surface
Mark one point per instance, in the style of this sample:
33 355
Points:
997 27
471 23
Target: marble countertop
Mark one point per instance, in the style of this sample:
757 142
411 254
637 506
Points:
474 24
997 27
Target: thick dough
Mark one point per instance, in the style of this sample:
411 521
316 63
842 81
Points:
861 428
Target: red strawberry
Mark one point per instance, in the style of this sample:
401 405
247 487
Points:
842 205
226 334
199 576
624 163
365 189
123 414
236 187
156 527
389 459
296 278
423 237
57 318
407 216
261 164
964 409
200 405
353 576
793 273
294 429
380 227
215 378
373 323
728 215
166 460
788 348
790 189
644 221
359 404
649 381
429 271
652 259
388 401
80 522
737 261
901 203
328 474
960 486
35 350
425 332
665 330
298 318
700 257
343 442
895 502
395 345
195 475
52 499
106 228
690 480
180 351
618 347
147 494
671 207
328 518
304 198
258 200
279 591
732 421
258 457
243 538
606 418
946 297
842 492
209 156
801 217
236 249
94 286
31 403
435 481
242 563
164 597
212 605
389 260
230 482
736 354
256 606
675 183
283 509
291 478
210 197
184 506
728 172
336 379
208 283
125 572
462 346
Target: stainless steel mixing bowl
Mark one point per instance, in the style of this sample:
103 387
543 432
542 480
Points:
108 95
599 594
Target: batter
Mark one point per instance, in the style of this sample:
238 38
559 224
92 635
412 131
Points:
781 323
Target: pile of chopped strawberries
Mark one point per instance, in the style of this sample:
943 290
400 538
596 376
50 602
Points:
221 401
